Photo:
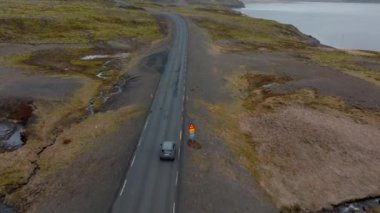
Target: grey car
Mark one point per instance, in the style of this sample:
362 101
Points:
167 151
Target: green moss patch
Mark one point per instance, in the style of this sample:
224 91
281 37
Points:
365 67
59 60
233 31
72 22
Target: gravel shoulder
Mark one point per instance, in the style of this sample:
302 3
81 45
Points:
212 180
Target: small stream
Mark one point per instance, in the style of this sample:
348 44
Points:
103 98
106 67
355 206
11 132
5 209
359 205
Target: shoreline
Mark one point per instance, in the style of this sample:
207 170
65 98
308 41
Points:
298 27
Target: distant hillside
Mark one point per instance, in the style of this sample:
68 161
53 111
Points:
228 3
231 3
353 1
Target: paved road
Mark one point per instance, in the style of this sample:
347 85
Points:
150 185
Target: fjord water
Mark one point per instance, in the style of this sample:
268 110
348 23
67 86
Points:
341 25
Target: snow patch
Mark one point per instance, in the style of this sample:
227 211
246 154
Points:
93 57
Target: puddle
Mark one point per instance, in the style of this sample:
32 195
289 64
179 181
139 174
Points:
93 57
14 116
5 209
359 206
11 136
356 206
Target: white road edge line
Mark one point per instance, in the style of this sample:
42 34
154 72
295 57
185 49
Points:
174 207
176 179
139 142
180 135
179 153
146 124
133 160
122 189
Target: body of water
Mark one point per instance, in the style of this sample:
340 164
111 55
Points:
341 25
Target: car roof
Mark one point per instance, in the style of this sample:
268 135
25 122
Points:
167 145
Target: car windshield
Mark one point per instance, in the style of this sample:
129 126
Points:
167 146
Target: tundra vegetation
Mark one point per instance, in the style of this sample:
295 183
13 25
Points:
50 38
293 139
231 31
39 22
283 137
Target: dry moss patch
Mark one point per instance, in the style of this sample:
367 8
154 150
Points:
259 98
301 140
15 168
365 66
314 159
223 122
58 60
62 153
70 145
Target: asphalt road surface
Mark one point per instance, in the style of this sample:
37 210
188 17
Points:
151 185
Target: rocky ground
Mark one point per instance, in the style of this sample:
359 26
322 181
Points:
64 77
294 116
211 179
282 123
